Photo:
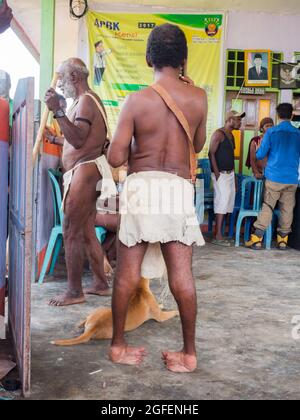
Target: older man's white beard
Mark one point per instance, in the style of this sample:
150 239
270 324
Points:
69 91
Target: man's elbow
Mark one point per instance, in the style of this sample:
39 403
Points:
199 146
113 160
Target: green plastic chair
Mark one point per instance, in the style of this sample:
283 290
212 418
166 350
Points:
56 237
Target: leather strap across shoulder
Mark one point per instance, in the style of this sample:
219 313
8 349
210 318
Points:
171 104
109 136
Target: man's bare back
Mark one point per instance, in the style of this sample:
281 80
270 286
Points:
160 143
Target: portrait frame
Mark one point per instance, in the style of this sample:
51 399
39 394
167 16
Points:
250 70
287 83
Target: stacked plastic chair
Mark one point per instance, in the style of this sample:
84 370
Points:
251 205
205 175
56 237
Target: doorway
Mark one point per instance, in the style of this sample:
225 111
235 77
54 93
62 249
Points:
256 108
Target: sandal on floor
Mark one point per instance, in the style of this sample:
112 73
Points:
282 243
254 243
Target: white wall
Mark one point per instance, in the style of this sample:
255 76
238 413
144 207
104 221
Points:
279 33
66 34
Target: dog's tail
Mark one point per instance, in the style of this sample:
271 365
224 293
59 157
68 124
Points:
83 338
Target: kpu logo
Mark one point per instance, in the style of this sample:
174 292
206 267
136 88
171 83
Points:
112 26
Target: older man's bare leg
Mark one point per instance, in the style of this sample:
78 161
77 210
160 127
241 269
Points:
96 259
127 279
178 258
79 205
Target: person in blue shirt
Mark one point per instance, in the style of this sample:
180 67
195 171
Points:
281 144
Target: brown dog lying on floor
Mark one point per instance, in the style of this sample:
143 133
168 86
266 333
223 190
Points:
142 307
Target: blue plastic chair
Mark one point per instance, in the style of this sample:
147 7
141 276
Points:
199 200
204 166
238 203
251 210
56 237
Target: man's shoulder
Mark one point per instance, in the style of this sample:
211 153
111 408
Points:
86 97
140 95
296 131
199 92
272 130
219 134
139 100
90 100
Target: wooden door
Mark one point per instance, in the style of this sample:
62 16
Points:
256 108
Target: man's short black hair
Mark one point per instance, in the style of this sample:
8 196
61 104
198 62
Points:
285 111
258 56
98 43
167 47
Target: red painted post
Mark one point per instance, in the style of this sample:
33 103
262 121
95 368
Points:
4 148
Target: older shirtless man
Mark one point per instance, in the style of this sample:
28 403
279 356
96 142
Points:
160 151
85 133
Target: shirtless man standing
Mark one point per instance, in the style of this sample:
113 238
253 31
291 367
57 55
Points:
85 134
160 149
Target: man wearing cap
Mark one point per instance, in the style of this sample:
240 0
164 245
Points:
258 72
221 156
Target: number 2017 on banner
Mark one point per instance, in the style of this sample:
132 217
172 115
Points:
146 25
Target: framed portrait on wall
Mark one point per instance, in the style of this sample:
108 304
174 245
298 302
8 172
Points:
288 76
258 68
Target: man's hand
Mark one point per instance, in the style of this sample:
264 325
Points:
52 100
258 175
187 80
5 16
49 135
217 175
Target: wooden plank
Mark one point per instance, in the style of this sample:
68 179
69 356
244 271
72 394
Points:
264 109
47 44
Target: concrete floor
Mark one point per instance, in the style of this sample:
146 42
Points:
246 302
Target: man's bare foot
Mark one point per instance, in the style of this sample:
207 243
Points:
98 291
67 299
179 362
127 355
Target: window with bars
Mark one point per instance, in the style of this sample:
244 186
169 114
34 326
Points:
236 69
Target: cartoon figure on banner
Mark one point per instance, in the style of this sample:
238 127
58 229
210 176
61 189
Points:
258 70
100 62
